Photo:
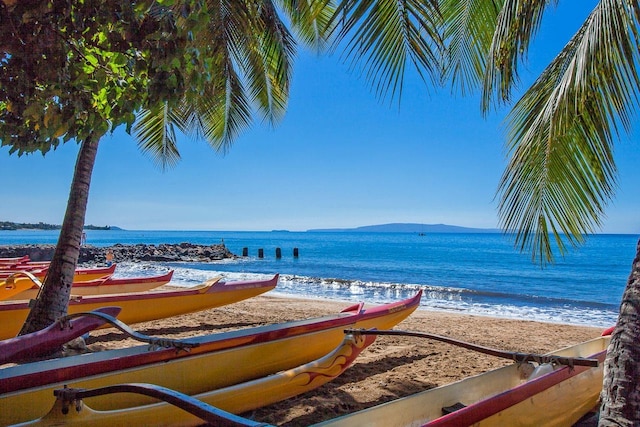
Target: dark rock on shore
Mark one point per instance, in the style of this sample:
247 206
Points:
92 254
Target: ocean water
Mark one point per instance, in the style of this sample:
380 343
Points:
471 273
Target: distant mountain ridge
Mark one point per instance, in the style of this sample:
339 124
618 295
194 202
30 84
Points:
409 228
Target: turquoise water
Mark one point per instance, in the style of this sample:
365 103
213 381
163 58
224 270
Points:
471 273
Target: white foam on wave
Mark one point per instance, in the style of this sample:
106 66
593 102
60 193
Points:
434 298
182 276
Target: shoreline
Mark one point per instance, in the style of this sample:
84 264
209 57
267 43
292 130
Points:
578 293
446 311
392 367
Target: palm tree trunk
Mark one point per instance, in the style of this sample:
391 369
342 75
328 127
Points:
53 299
621 390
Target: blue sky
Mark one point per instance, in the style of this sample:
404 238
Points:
339 158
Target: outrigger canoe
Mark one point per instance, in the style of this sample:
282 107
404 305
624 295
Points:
81 274
145 306
104 286
228 358
235 399
522 394
14 260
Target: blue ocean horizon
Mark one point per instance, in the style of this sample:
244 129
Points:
471 273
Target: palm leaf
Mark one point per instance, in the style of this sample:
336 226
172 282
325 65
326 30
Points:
226 113
249 53
155 136
469 27
386 35
561 173
266 61
310 20
517 22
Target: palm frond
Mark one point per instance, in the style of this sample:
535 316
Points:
156 137
266 60
469 26
249 53
386 35
517 22
310 20
225 110
561 173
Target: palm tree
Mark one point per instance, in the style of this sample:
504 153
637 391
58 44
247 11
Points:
240 56
561 172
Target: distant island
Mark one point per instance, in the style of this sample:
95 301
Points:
7 225
409 228
396 227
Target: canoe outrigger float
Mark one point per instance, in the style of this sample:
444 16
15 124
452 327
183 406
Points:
54 336
104 286
145 306
239 398
556 389
227 358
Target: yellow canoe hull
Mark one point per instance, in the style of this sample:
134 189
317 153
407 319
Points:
235 357
87 274
236 399
103 286
14 286
144 306
499 397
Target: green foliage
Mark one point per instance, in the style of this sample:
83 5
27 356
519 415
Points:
243 69
469 28
239 59
8 225
384 37
561 173
69 69
560 134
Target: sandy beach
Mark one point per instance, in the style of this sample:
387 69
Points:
390 368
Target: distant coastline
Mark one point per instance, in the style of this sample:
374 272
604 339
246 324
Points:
396 227
408 228
7 225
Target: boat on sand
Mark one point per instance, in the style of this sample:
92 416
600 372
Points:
235 399
539 392
13 260
145 306
103 286
81 274
228 358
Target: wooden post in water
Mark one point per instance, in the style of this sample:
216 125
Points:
260 253
295 252
278 253
245 251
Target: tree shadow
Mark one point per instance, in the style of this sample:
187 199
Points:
329 401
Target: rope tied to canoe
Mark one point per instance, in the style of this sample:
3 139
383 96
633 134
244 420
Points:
543 359
515 356
155 343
